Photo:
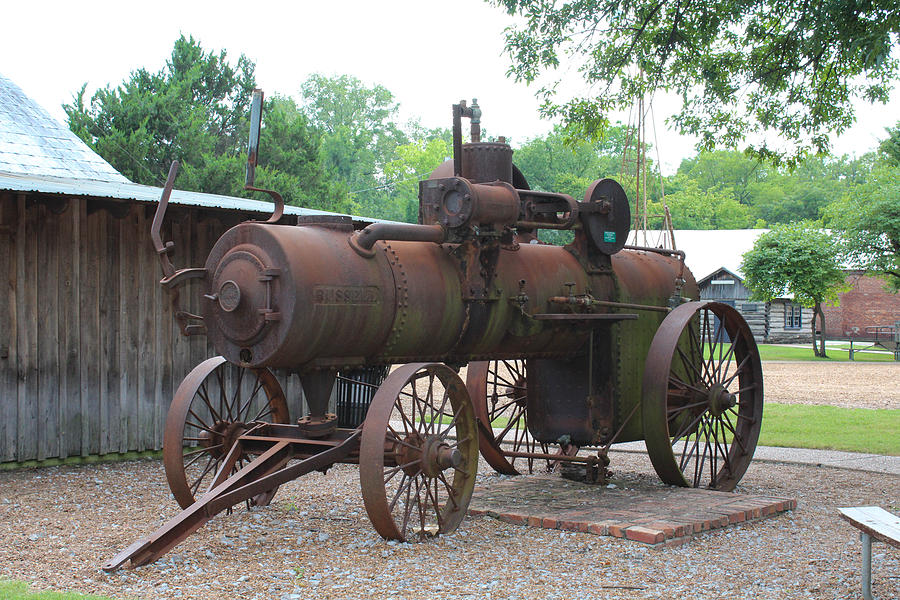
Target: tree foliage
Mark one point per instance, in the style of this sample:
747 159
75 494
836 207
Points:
801 260
867 221
359 126
413 162
790 66
692 207
195 109
890 146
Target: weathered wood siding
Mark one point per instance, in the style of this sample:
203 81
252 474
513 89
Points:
737 295
777 332
757 316
90 355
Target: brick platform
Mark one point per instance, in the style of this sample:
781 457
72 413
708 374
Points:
643 512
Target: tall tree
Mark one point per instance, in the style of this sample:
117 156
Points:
792 66
556 162
414 161
798 259
867 221
722 169
196 104
359 128
195 109
713 208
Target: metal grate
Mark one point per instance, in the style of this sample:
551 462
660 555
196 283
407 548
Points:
354 391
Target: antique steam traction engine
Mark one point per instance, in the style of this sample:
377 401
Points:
569 347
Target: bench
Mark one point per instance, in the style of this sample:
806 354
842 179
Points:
873 522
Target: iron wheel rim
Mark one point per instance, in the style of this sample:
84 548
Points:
702 415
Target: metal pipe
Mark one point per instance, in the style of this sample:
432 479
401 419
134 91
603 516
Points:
364 240
545 456
581 300
866 565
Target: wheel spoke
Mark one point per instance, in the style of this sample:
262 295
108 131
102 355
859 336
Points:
200 450
212 462
408 424
498 411
204 395
729 355
451 491
435 504
201 427
407 507
678 382
248 406
405 481
690 365
672 412
236 395
264 412
446 397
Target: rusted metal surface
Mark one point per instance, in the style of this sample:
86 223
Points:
256 103
556 339
267 471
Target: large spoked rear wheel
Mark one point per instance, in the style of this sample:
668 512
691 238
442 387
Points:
419 453
702 397
214 405
499 393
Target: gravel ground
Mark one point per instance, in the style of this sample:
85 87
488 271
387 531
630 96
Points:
57 525
852 385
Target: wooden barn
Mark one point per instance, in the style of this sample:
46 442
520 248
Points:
89 352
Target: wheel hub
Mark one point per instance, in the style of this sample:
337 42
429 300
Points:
428 455
408 451
223 436
720 399
516 391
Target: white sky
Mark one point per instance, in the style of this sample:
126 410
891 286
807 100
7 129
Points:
429 53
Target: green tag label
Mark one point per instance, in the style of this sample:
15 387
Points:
609 236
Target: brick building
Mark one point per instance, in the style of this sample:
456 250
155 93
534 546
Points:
866 305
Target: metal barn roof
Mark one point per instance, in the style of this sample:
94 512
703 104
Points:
128 191
34 143
39 154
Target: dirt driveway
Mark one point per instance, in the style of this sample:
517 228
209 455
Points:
847 384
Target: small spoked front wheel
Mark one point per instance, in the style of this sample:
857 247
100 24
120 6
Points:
215 404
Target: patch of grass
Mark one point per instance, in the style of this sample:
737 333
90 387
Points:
18 590
779 352
872 431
